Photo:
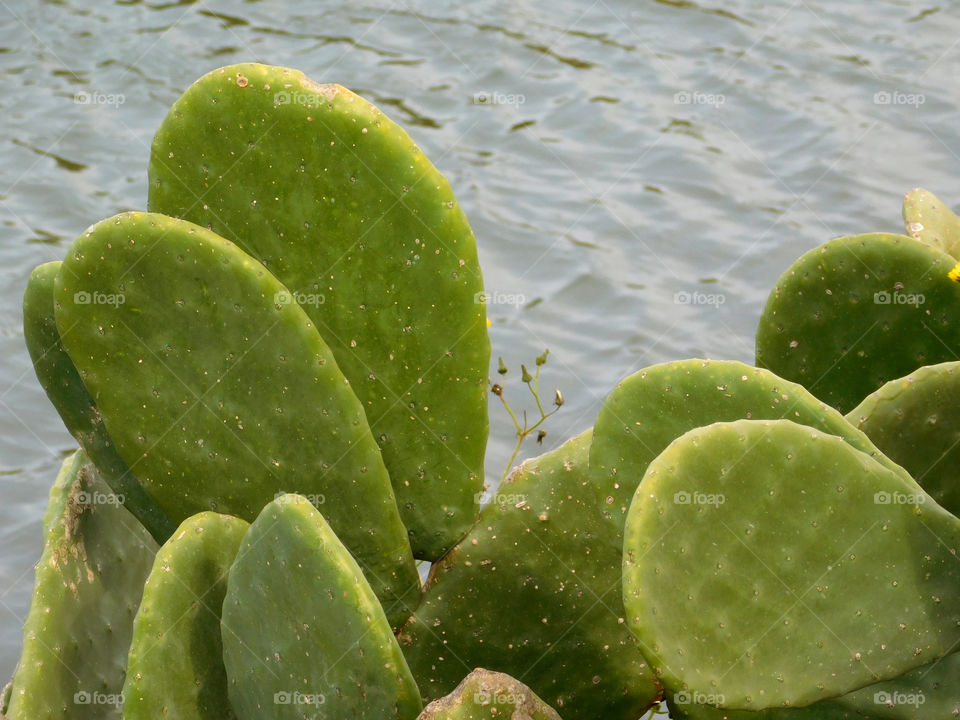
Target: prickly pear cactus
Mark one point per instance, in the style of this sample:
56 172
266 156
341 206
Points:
533 590
484 694
750 537
932 222
652 407
175 667
89 580
341 205
857 312
915 421
59 378
218 394
303 634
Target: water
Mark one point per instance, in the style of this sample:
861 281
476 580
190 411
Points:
628 152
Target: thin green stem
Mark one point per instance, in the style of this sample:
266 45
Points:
533 385
513 417
513 457
535 391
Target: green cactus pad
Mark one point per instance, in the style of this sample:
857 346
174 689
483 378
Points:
760 565
175 667
533 590
219 396
89 580
915 421
932 222
653 407
59 378
303 633
857 312
483 695
931 691
341 205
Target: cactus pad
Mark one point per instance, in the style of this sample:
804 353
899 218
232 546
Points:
89 580
859 311
60 380
483 695
302 628
219 396
749 538
533 591
915 421
341 205
175 667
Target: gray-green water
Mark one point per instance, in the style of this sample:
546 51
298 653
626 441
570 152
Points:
628 152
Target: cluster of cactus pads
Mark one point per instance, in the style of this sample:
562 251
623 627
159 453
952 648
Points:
278 377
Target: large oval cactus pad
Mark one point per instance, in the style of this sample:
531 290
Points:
175 667
773 565
88 585
534 590
859 311
60 380
303 630
341 205
656 405
915 421
217 395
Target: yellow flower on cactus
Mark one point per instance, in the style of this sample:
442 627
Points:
955 273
